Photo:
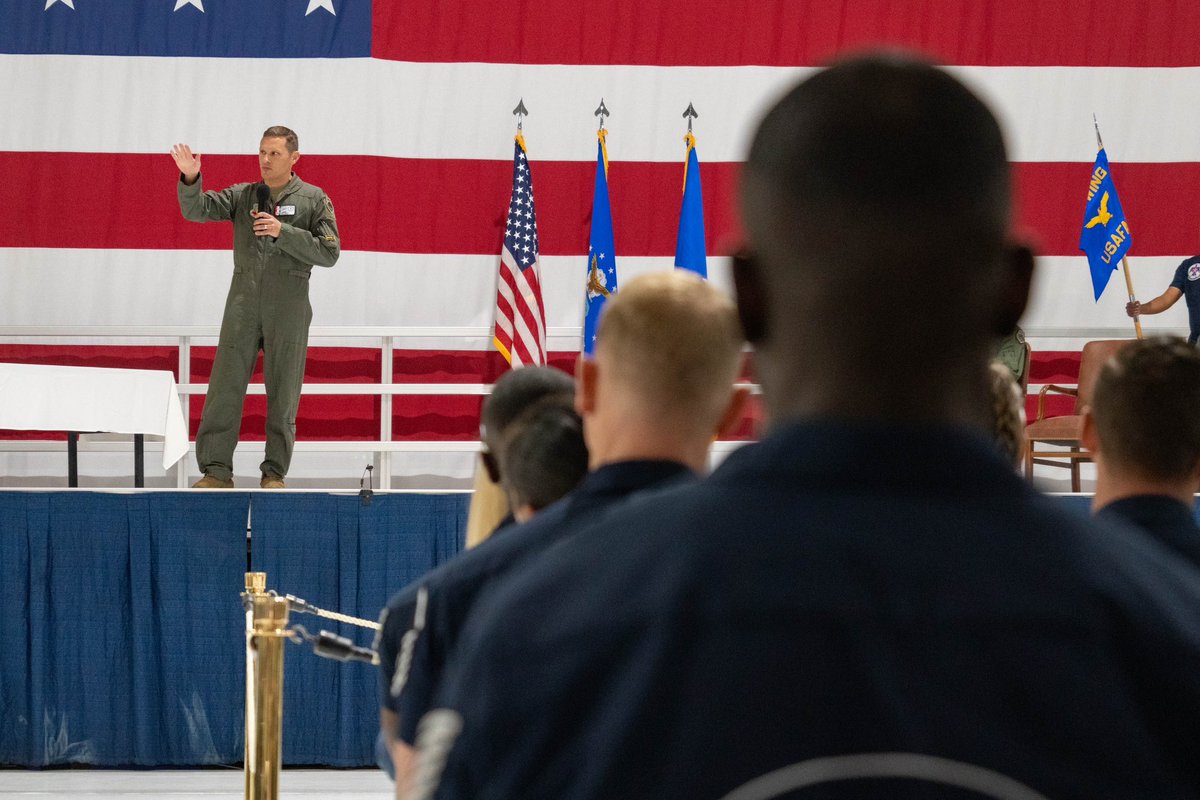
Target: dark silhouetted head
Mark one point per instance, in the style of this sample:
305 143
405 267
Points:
512 394
544 455
876 200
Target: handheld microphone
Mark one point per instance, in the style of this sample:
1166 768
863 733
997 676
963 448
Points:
262 200
367 491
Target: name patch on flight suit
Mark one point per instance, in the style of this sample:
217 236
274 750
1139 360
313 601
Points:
285 211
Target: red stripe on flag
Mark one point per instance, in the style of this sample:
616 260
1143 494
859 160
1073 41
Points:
533 316
1159 202
1162 33
473 195
503 311
526 350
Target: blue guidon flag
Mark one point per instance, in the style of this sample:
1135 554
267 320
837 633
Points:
689 243
602 260
1105 236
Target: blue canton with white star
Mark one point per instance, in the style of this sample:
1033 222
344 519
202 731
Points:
197 28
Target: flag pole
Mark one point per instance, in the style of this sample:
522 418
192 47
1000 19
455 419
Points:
1137 322
520 113
689 139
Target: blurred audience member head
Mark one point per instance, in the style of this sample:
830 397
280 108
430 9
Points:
878 269
1143 426
515 391
544 456
661 383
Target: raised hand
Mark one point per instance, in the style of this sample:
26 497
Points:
188 162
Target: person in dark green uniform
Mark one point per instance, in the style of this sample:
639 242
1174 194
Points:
267 308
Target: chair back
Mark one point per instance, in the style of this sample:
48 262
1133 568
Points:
1093 358
1028 367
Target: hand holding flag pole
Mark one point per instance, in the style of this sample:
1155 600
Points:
1137 322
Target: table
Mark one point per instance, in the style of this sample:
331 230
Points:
91 399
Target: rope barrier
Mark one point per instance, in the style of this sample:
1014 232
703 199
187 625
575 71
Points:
304 607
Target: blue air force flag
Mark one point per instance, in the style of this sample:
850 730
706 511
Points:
689 243
602 261
1105 236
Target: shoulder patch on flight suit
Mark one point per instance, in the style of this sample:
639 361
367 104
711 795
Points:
328 204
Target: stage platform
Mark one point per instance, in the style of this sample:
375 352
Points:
178 784
121 629
122 632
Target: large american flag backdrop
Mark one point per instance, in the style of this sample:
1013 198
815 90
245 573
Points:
403 111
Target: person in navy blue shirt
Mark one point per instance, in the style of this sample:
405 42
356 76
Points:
1185 283
1143 429
513 394
658 391
870 581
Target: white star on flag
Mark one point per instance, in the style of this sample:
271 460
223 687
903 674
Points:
68 3
197 3
313 5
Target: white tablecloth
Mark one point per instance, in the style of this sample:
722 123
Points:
41 398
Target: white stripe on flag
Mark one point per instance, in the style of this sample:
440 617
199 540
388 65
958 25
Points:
127 105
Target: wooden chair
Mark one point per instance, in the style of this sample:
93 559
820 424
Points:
1065 431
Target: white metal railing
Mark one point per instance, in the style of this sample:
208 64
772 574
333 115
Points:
387 341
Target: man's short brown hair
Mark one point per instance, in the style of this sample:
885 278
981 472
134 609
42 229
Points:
674 341
291 140
1146 406
544 454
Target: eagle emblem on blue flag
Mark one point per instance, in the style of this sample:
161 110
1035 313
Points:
1105 235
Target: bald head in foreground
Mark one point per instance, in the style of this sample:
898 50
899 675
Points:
871 578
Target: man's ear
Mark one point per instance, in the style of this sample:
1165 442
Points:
295 157
733 412
585 385
750 295
1018 279
1087 436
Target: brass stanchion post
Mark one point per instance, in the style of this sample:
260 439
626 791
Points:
266 632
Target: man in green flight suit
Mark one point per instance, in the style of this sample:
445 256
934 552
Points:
267 308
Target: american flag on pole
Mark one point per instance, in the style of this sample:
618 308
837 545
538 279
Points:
520 315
